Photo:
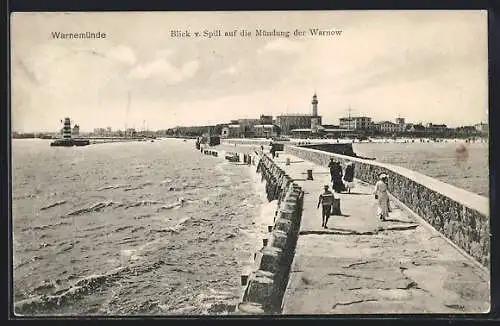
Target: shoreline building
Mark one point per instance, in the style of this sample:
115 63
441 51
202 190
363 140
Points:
386 127
231 131
310 126
249 127
436 128
266 131
482 127
401 123
390 127
290 122
76 131
356 123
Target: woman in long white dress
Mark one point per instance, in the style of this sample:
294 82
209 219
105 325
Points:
382 197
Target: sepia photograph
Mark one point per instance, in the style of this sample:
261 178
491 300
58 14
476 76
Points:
249 163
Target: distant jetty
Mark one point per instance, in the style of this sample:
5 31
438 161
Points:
67 139
70 142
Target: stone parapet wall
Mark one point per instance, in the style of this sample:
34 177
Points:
267 283
249 141
461 216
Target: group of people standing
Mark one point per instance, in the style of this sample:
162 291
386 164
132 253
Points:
345 181
341 181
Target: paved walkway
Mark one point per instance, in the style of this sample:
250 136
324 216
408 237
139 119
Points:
360 265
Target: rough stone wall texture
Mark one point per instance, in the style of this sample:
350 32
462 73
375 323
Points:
256 142
265 289
465 225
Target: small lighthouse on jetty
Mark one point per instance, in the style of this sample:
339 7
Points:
67 139
67 129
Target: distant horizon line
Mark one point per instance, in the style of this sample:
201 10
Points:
211 125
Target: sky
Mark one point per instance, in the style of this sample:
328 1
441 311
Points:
426 66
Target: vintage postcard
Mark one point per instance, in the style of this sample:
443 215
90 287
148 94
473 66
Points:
250 163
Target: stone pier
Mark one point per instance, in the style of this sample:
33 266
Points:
360 265
431 255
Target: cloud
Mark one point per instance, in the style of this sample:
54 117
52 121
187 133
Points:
190 68
281 45
163 54
123 54
163 69
229 71
234 68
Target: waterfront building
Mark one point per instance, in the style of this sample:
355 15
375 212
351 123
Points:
231 131
416 128
466 131
130 132
330 126
266 119
247 125
401 124
266 131
387 127
76 130
248 122
355 123
325 133
192 131
315 125
436 128
482 127
289 122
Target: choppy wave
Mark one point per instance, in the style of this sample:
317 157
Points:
93 208
44 303
168 216
143 203
61 202
44 226
112 187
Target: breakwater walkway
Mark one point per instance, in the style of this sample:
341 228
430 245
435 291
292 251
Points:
361 265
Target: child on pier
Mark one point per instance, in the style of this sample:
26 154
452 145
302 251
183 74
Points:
326 201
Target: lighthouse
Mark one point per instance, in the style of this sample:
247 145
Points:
67 139
315 105
67 129
314 118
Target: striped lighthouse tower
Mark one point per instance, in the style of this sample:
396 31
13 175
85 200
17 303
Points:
67 129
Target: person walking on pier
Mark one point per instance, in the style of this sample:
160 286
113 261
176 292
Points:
349 176
326 201
273 150
382 197
331 165
336 175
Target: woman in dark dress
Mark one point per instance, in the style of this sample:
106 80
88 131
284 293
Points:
336 173
331 165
